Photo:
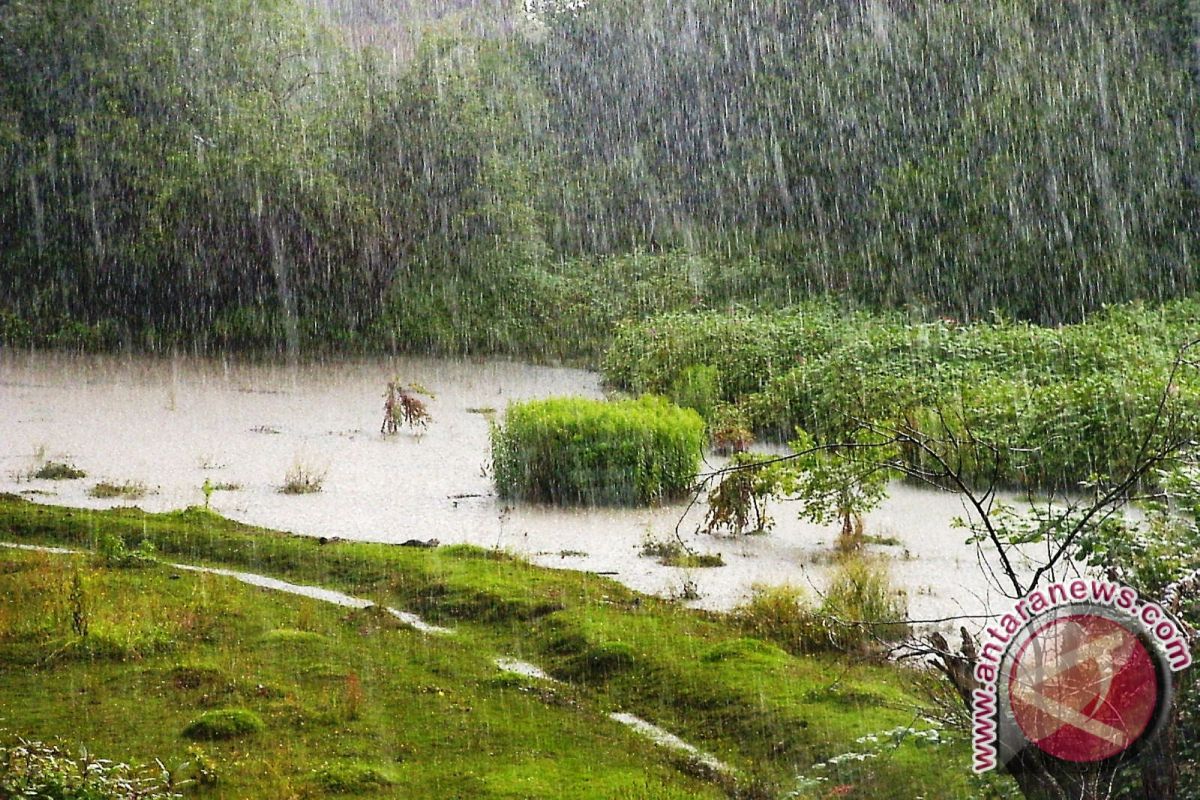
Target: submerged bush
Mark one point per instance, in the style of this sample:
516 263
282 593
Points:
59 471
228 723
589 452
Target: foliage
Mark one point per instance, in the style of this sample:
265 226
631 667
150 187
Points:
577 451
738 504
349 778
58 471
697 388
1013 403
227 723
859 611
111 551
48 772
1159 556
302 479
401 406
129 490
675 554
841 483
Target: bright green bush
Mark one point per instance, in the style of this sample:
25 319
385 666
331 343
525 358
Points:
227 723
575 451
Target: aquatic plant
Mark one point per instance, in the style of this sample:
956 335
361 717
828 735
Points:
302 479
130 490
58 471
577 451
401 406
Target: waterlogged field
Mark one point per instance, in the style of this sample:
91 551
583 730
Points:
168 426
245 692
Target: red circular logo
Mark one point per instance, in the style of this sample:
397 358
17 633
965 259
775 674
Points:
1083 688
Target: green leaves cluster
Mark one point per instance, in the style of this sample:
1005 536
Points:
1003 402
590 452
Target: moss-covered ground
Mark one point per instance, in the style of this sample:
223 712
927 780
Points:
354 702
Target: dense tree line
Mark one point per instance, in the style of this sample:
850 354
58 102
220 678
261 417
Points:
244 173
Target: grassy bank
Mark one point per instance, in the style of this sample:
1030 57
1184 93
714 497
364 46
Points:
432 716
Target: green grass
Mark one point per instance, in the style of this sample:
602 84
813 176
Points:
578 451
346 697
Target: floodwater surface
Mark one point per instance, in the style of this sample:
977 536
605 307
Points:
174 423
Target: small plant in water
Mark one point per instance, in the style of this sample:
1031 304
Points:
302 479
129 490
401 406
58 471
677 554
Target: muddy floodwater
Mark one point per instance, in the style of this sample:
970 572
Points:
173 423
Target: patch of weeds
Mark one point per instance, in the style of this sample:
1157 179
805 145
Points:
225 723
58 471
884 541
302 479
112 552
350 778
109 645
202 766
859 611
130 490
674 554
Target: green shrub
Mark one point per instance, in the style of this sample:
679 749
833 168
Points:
227 723
866 608
112 552
588 452
859 610
59 471
1017 403
699 388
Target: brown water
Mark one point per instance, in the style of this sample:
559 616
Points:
173 423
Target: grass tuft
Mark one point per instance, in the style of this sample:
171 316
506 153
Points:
58 471
227 723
